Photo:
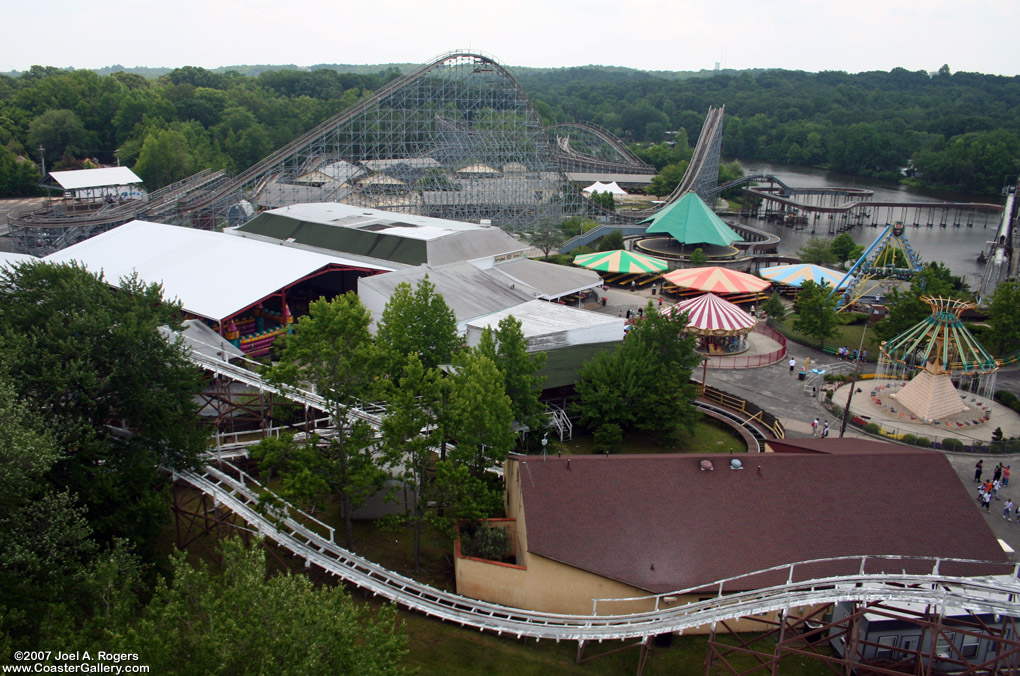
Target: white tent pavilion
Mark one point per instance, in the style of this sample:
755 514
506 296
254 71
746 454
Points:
600 187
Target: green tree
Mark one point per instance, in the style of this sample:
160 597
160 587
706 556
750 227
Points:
242 622
644 385
816 312
164 158
46 540
906 307
116 396
332 351
480 412
547 236
507 347
417 321
666 181
1004 316
611 241
411 432
774 307
59 132
843 247
698 257
818 252
18 177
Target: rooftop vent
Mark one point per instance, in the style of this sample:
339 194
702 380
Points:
736 464
706 466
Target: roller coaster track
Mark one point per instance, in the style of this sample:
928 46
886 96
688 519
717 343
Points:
262 168
706 154
313 541
572 160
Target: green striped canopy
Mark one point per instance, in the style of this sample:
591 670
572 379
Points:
620 261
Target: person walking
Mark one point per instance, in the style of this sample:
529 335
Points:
1005 476
1007 510
825 429
986 501
996 485
997 472
793 364
814 427
978 469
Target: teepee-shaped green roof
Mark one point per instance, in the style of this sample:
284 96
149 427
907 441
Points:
690 221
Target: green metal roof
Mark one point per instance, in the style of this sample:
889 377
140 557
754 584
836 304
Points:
690 221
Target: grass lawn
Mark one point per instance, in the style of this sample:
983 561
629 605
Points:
709 437
439 649
849 335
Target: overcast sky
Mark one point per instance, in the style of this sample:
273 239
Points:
810 35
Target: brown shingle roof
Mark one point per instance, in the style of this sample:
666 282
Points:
616 516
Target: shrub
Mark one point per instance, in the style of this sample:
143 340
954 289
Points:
481 542
951 444
855 318
909 439
923 442
608 438
873 428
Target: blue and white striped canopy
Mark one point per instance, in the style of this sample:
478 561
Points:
795 274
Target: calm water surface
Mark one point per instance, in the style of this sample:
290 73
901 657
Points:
957 247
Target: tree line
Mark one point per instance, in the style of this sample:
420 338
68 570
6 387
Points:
952 130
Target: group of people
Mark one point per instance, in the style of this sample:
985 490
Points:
846 354
815 429
990 488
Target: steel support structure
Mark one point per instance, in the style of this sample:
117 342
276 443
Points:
808 633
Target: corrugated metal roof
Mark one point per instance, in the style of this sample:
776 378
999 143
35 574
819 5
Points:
402 238
213 275
94 178
549 280
468 291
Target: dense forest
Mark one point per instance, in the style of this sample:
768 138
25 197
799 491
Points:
954 130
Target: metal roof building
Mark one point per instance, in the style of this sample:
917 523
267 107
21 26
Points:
215 276
372 234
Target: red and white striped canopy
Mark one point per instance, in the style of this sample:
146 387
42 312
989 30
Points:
711 315
716 280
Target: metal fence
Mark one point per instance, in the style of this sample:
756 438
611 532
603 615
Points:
753 361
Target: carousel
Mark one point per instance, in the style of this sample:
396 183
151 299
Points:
722 328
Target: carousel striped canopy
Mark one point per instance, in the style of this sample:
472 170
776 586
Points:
709 314
716 280
797 273
620 260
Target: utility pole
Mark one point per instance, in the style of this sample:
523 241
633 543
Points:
42 158
853 383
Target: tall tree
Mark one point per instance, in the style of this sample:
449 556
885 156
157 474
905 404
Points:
644 385
816 312
331 349
842 247
242 621
117 397
1004 316
417 321
412 432
508 350
817 251
905 305
480 413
